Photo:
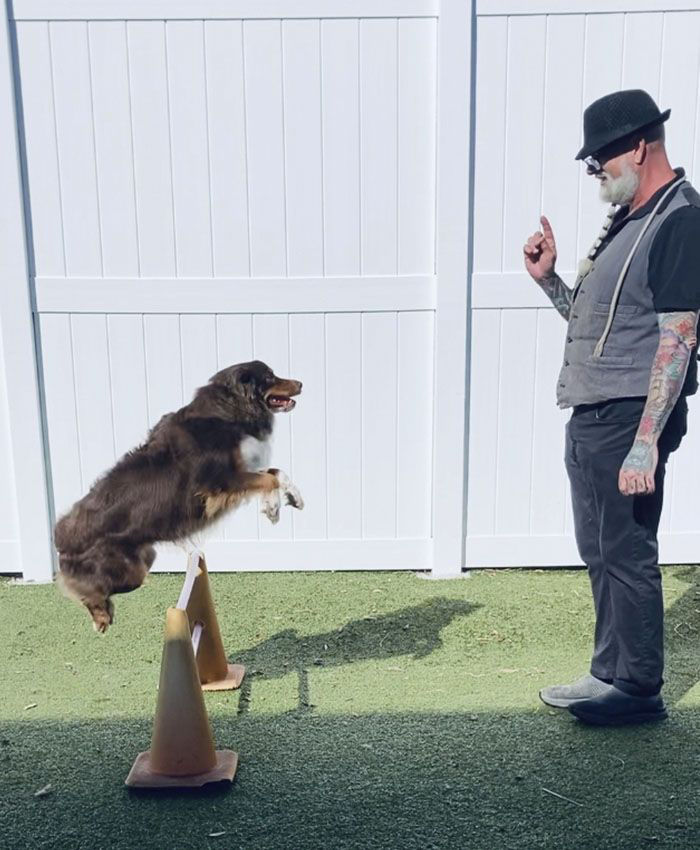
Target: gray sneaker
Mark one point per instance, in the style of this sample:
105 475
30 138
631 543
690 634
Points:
562 696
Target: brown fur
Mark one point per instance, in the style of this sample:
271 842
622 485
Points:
187 473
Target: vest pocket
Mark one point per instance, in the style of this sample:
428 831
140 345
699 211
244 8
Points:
612 356
621 309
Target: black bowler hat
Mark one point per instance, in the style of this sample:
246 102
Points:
617 115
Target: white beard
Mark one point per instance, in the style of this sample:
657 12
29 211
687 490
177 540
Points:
619 190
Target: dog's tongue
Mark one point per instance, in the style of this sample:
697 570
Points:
282 402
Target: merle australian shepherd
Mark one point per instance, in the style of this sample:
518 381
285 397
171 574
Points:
205 459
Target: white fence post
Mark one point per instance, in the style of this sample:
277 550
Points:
454 126
26 433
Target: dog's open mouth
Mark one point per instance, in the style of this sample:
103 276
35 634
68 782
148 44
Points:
280 403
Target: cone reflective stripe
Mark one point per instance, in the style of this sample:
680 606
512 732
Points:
182 743
211 657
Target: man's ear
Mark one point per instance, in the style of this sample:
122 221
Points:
640 152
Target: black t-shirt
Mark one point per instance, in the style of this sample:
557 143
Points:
674 260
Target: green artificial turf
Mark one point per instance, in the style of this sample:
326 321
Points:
379 711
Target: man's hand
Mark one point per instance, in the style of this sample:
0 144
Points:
540 252
637 473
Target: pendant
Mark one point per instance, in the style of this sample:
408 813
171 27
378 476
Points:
585 266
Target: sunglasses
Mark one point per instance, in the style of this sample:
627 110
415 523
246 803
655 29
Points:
594 163
593 166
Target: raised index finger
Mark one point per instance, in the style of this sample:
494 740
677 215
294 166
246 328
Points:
548 232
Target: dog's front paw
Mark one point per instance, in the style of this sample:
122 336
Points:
293 497
270 506
290 491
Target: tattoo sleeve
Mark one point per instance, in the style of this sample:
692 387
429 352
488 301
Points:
677 338
558 293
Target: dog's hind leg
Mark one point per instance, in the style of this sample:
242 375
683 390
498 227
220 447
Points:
93 595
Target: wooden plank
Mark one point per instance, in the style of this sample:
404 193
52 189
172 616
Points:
265 144
379 424
227 147
113 148
308 423
340 114
234 295
378 147
414 426
152 154
417 166
34 57
344 425
76 148
302 140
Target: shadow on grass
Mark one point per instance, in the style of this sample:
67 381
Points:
482 782
682 629
413 631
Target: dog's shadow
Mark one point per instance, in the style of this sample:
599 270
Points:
412 631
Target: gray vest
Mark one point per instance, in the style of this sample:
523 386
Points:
624 367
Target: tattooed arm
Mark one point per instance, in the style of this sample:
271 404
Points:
540 255
677 337
558 293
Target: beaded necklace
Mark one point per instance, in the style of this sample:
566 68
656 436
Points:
586 263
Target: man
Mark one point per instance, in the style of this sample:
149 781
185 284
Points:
629 363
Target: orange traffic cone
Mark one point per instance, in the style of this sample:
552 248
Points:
182 750
215 673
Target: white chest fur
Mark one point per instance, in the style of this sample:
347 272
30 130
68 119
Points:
256 453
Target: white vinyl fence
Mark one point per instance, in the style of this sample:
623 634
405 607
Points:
538 65
200 182
210 182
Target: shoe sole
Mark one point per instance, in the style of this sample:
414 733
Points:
620 720
561 703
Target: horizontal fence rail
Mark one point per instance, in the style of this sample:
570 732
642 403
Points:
72 10
234 295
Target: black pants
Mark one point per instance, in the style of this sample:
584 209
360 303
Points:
616 538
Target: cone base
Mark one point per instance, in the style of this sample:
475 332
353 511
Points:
233 679
142 775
